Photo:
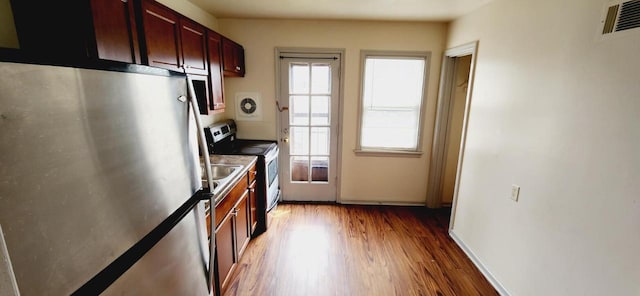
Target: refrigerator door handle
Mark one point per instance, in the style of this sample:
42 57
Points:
207 165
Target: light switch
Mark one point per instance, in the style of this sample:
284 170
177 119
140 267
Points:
515 192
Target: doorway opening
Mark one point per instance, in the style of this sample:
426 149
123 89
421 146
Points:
454 101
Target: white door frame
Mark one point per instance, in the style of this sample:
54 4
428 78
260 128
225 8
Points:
302 50
438 151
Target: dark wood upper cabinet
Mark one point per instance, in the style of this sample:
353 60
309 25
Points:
214 45
194 46
115 30
161 28
76 31
131 31
232 58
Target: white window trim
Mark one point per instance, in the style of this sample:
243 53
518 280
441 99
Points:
392 151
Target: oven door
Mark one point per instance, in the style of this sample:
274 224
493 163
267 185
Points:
272 181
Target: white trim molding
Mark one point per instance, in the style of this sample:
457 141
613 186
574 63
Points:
476 261
439 146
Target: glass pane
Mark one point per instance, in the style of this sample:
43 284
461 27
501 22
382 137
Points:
320 169
400 79
299 110
299 168
299 141
320 110
377 125
392 98
299 79
320 79
320 141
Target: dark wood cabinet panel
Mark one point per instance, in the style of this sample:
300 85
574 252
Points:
232 58
161 36
214 45
115 30
253 209
228 203
77 31
253 200
225 250
194 47
243 234
56 30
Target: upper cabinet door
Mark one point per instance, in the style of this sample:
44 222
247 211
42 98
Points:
215 70
232 58
115 30
194 47
162 36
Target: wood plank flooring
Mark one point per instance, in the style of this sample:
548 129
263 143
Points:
313 249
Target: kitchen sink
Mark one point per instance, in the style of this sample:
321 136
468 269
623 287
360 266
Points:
220 174
219 171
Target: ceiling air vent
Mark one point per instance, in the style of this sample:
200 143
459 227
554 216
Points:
621 16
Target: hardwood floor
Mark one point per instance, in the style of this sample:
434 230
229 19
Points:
356 250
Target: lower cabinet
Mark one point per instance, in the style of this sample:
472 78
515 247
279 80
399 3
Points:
225 251
232 231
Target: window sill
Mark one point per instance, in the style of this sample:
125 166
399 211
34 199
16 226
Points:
387 153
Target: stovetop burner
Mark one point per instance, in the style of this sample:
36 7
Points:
244 147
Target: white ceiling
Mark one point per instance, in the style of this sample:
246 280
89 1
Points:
408 10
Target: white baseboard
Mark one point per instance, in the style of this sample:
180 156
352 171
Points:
380 203
487 274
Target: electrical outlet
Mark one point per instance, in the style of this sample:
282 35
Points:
515 192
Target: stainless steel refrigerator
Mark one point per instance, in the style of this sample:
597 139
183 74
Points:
99 182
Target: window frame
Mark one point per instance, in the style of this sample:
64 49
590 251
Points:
382 151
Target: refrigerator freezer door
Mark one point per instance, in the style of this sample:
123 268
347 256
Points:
91 161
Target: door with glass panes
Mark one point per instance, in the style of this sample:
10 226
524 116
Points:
309 94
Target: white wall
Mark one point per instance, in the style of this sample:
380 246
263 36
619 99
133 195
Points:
193 12
556 111
378 179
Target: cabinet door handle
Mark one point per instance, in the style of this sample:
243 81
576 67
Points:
238 68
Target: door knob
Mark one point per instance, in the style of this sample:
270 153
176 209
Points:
286 140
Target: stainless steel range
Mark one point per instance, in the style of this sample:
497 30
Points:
221 138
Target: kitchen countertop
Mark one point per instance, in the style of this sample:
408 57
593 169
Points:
240 160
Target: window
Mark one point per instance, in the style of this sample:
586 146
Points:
392 95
